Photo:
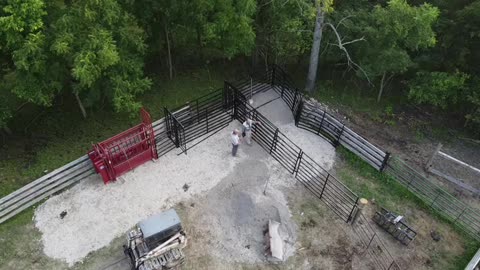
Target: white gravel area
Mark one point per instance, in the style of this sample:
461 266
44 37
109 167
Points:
280 115
98 213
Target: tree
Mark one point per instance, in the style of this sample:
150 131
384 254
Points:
391 34
322 7
28 73
283 29
101 48
93 49
439 89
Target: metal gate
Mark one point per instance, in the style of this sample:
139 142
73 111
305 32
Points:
175 131
125 151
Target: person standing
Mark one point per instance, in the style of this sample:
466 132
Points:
247 130
235 141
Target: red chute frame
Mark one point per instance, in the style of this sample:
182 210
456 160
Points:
125 151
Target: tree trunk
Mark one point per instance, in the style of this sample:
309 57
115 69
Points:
317 38
200 46
382 85
170 65
80 104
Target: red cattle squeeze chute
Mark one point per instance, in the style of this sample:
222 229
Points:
125 151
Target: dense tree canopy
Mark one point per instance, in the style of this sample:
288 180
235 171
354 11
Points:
96 51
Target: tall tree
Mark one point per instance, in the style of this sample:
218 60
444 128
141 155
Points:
283 30
392 33
90 48
321 8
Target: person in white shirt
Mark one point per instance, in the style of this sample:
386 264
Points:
235 141
247 130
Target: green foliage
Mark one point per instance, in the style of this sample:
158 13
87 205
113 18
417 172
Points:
290 38
391 33
438 88
473 117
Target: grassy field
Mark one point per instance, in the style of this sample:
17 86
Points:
386 192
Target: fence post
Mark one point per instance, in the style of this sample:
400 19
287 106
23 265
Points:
434 200
460 215
324 185
206 117
337 142
355 206
359 205
385 161
371 240
283 83
298 113
198 114
321 123
294 99
273 76
297 163
274 142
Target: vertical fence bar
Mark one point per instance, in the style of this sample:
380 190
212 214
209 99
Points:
274 142
353 209
294 99
337 142
434 200
206 117
463 211
298 113
273 76
324 185
384 162
321 123
198 114
297 163
371 240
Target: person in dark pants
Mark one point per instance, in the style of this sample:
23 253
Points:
235 141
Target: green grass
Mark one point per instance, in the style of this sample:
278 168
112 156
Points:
387 192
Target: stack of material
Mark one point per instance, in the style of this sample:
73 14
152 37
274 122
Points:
275 242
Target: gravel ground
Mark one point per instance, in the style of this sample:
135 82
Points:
98 213
279 114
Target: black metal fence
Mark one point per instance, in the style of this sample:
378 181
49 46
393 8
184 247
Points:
373 245
460 214
338 197
311 116
341 200
203 116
